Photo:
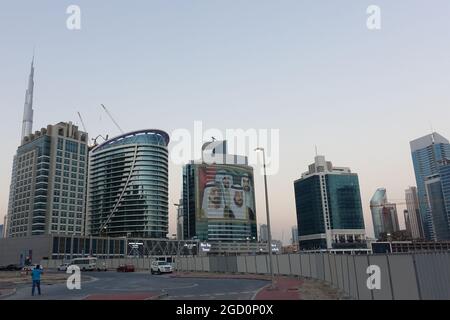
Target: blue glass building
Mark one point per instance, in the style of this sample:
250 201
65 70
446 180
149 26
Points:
329 210
128 186
444 172
437 205
428 153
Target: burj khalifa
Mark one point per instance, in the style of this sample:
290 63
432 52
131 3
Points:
27 124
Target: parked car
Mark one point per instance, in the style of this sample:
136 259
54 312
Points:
158 267
64 266
125 268
13 267
101 266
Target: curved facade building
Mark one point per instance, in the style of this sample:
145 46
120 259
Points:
128 186
384 214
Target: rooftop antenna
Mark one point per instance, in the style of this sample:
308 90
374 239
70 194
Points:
432 132
316 149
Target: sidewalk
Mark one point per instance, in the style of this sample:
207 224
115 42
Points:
286 288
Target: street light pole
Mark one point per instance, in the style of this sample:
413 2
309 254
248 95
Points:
269 236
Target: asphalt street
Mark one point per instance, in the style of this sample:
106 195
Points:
116 283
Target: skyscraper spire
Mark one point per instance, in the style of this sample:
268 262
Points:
27 124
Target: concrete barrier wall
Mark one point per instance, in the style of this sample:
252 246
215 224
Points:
361 264
334 274
402 276
327 267
241 264
353 282
295 264
345 273
404 282
261 265
339 271
305 265
433 275
385 293
251 264
284 266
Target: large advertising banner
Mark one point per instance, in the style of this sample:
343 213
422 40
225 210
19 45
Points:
225 192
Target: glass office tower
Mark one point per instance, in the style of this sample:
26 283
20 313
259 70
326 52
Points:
128 186
384 214
329 210
427 153
444 174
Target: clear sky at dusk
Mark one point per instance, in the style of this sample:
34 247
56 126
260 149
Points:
311 69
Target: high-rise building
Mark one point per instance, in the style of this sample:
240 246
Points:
219 197
294 235
407 222
263 233
1 231
27 123
437 205
427 154
49 186
412 206
128 186
329 210
384 214
444 173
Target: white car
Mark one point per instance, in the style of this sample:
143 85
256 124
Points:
158 267
63 267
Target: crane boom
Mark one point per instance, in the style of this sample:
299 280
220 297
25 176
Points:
82 122
111 117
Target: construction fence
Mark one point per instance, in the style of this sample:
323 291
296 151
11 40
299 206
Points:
422 276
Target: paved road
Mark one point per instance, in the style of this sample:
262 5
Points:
114 283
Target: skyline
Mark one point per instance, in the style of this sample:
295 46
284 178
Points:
211 80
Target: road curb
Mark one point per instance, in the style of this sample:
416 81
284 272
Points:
260 290
13 292
229 276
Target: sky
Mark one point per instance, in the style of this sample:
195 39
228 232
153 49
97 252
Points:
311 69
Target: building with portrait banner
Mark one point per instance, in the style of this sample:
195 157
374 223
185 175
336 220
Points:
219 197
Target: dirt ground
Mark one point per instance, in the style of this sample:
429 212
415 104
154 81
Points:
318 290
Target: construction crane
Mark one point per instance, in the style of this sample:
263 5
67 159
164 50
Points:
111 117
82 122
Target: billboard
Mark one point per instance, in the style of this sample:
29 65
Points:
225 192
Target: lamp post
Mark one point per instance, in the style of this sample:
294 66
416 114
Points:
269 234
178 205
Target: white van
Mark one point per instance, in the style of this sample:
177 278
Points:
85 264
